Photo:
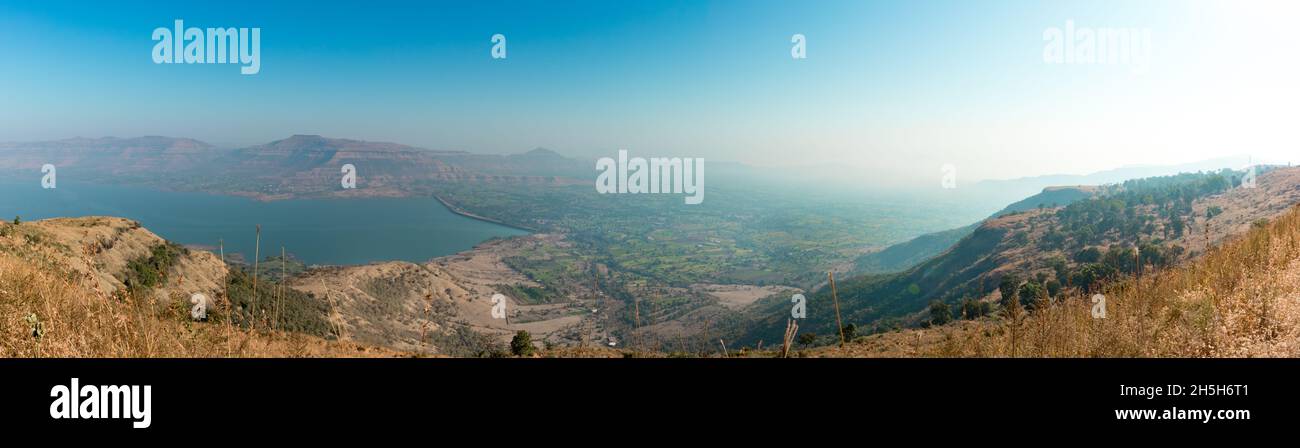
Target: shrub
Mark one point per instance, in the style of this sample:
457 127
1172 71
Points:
1053 288
807 339
1030 293
850 332
147 272
522 344
1089 255
974 309
1008 287
294 311
940 312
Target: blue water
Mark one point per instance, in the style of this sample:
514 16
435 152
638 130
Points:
317 231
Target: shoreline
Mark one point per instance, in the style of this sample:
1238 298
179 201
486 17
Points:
461 212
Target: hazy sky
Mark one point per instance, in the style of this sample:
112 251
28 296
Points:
889 92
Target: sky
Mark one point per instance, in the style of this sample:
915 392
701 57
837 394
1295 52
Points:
888 94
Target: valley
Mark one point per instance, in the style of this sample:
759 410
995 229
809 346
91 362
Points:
640 273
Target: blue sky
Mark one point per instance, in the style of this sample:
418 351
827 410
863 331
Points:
889 92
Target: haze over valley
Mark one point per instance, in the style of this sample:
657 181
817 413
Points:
412 257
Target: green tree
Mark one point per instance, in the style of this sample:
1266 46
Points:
1030 293
1008 287
974 308
1089 255
1053 288
522 344
940 312
850 332
18 220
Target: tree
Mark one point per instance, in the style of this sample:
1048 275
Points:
1053 288
850 332
522 344
1030 293
1089 255
1008 287
1088 276
17 220
940 312
807 339
974 309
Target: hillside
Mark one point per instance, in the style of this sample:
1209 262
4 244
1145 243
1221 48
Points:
912 252
108 157
444 306
1239 300
106 287
1077 247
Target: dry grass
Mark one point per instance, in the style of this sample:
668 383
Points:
1242 299
76 320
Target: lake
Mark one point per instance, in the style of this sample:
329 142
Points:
316 231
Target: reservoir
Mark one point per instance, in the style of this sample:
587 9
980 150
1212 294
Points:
316 231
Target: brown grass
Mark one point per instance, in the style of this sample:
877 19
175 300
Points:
1242 299
78 321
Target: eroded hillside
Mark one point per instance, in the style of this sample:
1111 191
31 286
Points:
87 287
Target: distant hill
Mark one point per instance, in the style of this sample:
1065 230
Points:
1009 189
912 252
297 166
539 162
105 157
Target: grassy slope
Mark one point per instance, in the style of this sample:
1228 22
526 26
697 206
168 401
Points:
1239 300
77 318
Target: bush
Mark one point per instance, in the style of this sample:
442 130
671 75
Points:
1007 287
1053 288
522 344
295 311
142 274
850 332
807 339
1030 293
974 309
940 312
1089 255
464 342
